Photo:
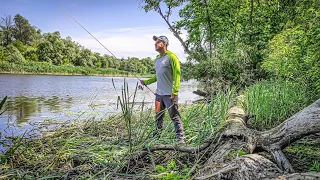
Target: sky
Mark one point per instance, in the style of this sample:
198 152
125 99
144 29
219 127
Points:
120 25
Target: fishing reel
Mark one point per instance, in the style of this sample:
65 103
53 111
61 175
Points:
140 87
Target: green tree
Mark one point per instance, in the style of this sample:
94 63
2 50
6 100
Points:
20 46
13 54
113 62
23 31
57 55
98 60
149 64
104 62
31 54
20 41
70 50
226 40
2 54
45 51
85 58
294 53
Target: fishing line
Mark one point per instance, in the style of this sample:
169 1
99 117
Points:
89 33
102 45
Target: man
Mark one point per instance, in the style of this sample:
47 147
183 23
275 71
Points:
168 85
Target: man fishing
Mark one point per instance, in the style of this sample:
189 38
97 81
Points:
168 85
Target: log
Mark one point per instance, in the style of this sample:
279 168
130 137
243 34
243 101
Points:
235 136
301 124
201 93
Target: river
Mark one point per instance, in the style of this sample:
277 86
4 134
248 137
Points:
34 99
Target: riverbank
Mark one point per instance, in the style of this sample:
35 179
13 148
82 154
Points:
43 68
93 148
96 148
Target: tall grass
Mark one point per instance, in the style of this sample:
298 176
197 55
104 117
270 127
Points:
127 107
94 148
204 120
2 104
272 101
47 68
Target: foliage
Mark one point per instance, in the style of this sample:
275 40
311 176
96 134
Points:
171 171
315 167
31 54
240 42
294 53
23 42
17 142
13 55
2 54
48 68
23 31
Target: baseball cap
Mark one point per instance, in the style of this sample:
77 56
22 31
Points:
162 38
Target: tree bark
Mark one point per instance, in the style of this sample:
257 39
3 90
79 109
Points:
210 28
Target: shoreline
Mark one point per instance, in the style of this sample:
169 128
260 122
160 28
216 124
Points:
72 74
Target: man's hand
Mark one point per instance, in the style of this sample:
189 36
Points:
142 82
174 97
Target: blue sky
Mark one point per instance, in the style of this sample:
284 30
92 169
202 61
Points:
123 27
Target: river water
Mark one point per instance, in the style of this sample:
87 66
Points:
34 99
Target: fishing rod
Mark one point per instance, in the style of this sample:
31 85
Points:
103 46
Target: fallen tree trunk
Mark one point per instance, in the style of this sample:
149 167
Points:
223 150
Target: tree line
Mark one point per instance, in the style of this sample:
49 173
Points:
22 43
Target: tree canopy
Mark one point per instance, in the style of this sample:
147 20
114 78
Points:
22 42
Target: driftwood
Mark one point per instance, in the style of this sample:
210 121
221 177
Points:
235 136
201 93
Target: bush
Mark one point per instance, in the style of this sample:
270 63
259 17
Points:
13 54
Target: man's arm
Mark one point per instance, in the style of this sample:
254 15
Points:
175 64
151 80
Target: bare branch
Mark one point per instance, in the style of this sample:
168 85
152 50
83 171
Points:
169 10
210 28
175 33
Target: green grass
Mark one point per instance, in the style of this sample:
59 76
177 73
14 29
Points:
47 68
93 148
274 101
315 167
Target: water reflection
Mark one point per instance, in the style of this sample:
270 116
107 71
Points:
21 108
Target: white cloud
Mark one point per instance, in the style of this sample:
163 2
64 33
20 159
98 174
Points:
131 42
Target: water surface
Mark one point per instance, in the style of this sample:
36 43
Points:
34 99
